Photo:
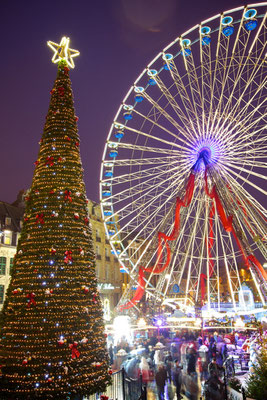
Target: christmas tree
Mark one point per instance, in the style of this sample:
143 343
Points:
53 344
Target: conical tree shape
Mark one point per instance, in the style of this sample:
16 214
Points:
53 343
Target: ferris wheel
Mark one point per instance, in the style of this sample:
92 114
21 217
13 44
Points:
183 176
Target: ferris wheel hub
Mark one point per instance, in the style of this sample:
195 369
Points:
203 157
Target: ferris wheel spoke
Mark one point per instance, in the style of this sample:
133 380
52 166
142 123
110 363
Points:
148 149
244 195
144 173
139 162
159 226
183 95
238 64
233 116
159 139
162 112
194 88
153 184
186 122
152 199
226 262
232 172
250 138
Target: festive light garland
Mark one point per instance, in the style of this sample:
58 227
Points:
53 344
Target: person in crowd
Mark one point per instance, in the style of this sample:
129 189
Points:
157 358
214 388
168 364
224 352
174 351
191 362
144 370
214 368
160 378
177 378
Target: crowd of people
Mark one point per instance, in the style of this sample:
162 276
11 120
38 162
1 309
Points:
189 364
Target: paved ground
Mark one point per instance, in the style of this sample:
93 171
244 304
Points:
169 393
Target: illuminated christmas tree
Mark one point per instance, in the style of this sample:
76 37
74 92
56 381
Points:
53 344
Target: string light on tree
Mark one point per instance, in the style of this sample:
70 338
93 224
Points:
53 344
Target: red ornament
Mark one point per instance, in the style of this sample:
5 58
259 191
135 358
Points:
26 219
68 257
39 218
86 220
25 361
27 198
76 216
85 289
61 342
77 144
110 371
66 70
37 162
52 191
94 298
61 91
74 351
52 91
49 161
53 250
31 299
76 118
66 137
104 397
59 159
67 195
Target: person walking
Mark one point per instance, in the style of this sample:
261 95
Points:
177 378
214 368
168 363
160 378
191 362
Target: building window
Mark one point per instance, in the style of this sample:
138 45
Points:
11 265
107 272
107 254
97 235
7 237
2 265
2 292
8 221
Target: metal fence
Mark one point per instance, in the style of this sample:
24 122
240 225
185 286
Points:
123 388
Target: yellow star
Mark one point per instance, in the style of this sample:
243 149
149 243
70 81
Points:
63 52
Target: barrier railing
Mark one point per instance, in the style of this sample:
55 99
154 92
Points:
122 387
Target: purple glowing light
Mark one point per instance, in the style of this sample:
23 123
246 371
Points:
159 322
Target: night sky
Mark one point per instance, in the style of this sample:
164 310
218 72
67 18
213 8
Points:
116 38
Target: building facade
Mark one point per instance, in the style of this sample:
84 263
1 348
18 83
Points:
10 227
108 274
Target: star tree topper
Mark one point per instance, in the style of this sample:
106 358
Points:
63 52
